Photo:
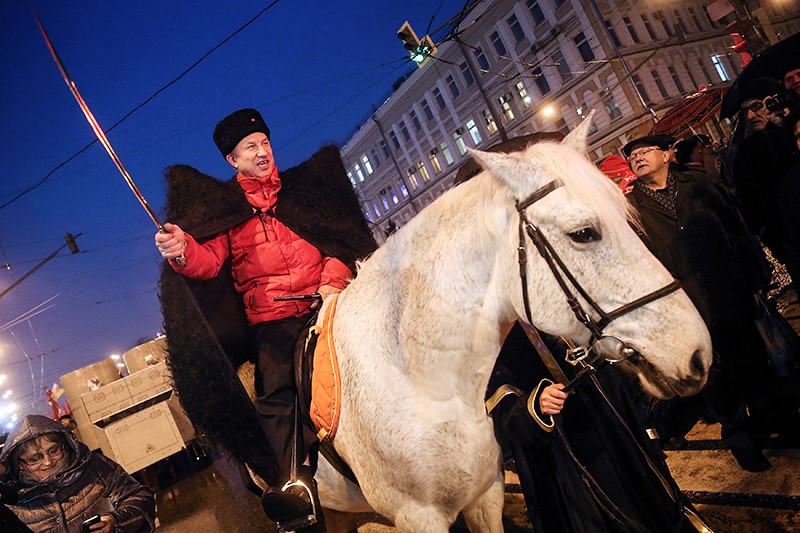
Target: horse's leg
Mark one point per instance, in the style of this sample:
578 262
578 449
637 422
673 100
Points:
416 518
486 515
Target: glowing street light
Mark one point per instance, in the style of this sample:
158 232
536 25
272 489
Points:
7 394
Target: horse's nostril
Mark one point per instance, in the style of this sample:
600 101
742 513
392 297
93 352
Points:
698 368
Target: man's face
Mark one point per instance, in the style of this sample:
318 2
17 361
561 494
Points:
647 161
791 81
755 113
252 157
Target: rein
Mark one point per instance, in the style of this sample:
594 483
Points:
562 273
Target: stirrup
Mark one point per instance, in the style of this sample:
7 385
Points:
293 507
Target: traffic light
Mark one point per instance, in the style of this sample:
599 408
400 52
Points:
409 38
419 50
73 246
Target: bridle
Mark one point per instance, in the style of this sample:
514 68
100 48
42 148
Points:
563 275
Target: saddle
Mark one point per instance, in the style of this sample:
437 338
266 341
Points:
315 348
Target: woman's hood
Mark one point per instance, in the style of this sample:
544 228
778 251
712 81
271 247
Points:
30 427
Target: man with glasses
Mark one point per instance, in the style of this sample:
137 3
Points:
692 228
761 161
57 484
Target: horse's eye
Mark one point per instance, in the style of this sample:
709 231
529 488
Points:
585 235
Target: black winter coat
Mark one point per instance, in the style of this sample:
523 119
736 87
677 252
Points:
706 247
91 485
629 468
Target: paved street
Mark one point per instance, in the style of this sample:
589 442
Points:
729 498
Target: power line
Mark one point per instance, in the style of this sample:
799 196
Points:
142 104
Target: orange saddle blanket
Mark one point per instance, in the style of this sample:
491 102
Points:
326 385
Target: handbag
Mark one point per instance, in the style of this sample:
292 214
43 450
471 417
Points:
780 340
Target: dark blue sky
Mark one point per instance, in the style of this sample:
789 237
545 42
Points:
313 68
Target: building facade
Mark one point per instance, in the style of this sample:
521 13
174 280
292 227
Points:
507 68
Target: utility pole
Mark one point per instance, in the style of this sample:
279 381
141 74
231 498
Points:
73 248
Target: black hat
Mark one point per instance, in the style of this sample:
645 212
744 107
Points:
236 127
760 88
660 140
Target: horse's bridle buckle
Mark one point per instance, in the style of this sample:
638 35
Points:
576 355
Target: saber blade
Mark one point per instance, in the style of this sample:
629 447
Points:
98 131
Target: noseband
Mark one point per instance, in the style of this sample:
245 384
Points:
562 273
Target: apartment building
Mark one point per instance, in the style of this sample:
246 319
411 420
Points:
508 68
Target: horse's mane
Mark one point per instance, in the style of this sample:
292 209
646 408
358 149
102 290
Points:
585 182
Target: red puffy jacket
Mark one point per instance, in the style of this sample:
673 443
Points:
267 258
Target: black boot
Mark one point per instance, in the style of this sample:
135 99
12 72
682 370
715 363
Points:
296 506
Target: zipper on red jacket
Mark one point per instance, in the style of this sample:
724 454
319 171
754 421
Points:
261 214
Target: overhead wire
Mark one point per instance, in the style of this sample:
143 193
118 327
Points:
141 105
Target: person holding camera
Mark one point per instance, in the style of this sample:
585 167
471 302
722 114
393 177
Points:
52 482
762 161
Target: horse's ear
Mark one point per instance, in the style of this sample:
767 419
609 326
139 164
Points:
500 165
578 138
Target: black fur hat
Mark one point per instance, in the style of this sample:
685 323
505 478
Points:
235 127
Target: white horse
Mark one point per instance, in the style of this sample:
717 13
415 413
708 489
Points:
418 331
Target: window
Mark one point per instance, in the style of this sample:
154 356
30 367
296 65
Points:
423 171
613 33
451 83
392 195
523 94
483 62
367 165
611 105
404 131
374 154
437 167
360 174
472 128
637 81
563 67
402 186
458 137
676 80
720 66
468 79
368 215
412 179
394 140
695 19
415 121
560 3
352 179
584 48
384 199
516 29
385 148
540 80
497 42
659 15
439 99
649 27
536 11
375 208
561 125
705 71
505 105
448 157
629 24
426 109
679 20
659 84
491 125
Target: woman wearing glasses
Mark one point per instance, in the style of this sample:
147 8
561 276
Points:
57 484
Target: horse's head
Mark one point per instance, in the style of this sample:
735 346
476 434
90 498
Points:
586 224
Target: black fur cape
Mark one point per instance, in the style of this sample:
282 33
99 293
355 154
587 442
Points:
207 331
